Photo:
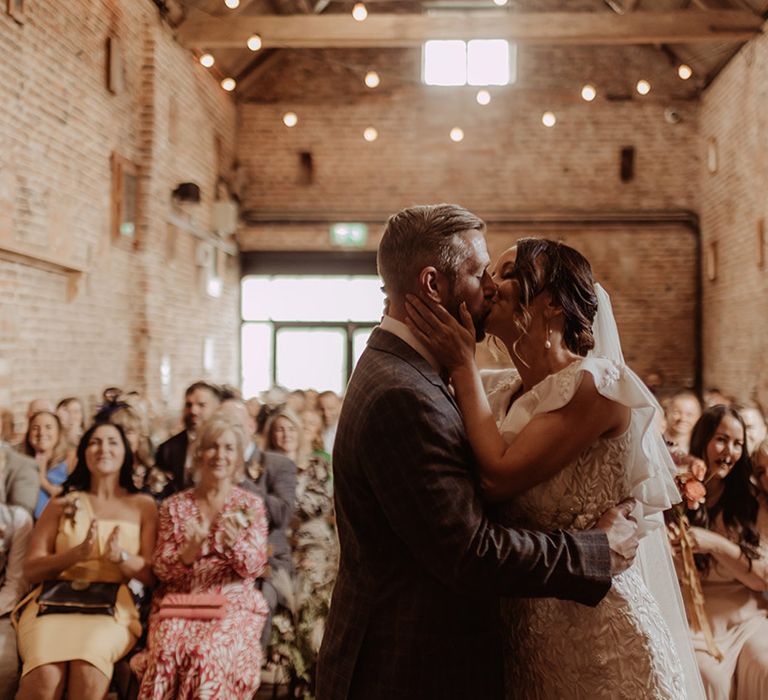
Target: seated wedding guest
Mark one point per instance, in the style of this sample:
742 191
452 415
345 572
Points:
712 396
72 417
37 405
174 456
760 471
271 476
730 537
47 443
15 529
296 401
753 418
102 532
135 431
212 544
314 546
312 423
19 480
329 404
681 413
7 434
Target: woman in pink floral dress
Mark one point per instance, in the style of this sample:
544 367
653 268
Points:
212 539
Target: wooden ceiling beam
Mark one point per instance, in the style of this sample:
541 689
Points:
404 30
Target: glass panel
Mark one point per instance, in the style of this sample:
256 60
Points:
312 358
488 62
445 63
256 354
312 298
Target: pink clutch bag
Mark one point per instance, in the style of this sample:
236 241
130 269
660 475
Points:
193 606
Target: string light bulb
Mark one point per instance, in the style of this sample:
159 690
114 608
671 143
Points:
359 11
548 119
500 3
643 87
232 4
290 119
588 93
457 134
254 42
684 71
207 60
483 97
229 84
370 134
372 79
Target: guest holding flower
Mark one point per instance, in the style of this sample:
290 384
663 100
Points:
84 549
730 537
47 443
212 544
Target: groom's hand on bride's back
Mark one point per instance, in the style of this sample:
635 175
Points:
621 529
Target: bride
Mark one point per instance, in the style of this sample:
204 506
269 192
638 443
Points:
568 433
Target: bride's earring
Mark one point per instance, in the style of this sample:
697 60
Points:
548 343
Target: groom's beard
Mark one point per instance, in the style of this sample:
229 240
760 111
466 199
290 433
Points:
478 318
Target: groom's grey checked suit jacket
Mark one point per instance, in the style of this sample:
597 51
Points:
415 611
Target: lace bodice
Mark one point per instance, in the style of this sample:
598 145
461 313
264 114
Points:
556 648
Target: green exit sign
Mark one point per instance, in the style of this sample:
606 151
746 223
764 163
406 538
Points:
351 235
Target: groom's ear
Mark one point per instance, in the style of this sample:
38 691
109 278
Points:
432 284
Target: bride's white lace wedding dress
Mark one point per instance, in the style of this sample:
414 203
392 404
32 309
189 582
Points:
622 648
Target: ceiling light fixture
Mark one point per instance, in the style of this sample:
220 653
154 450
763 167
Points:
207 60
359 11
483 97
254 42
290 119
372 79
232 4
548 119
457 134
588 93
684 71
370 134
229 84
643 87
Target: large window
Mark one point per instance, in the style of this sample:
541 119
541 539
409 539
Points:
476 62
305 331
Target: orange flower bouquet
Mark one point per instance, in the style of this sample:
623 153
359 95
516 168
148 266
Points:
693 490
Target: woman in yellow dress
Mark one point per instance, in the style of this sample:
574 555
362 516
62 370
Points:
99 530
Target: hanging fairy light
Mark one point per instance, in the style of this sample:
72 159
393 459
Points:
229 84
359 11
207 60
684 71
588 93
370 134
372 79
500 3
254 42
548 119
232 4
457 134
290 119
483 97
643 87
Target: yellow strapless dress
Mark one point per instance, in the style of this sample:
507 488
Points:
98 639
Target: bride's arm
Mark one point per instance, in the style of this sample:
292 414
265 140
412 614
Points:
546 444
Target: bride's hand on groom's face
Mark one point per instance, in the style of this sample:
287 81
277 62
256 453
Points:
621 529
452 343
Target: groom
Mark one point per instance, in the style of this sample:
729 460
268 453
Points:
415 610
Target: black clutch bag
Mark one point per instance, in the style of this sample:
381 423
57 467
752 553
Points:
84 597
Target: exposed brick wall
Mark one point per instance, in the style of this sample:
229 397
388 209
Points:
733 200
58 127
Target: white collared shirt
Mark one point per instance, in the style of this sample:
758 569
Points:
398 328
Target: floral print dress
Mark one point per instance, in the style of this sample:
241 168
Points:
207 659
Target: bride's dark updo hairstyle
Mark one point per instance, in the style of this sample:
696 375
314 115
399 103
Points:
545 265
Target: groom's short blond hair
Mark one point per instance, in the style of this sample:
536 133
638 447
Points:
421 236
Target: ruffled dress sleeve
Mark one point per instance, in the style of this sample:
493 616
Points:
500 386
650 470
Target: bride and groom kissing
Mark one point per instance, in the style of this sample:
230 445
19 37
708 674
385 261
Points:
489 522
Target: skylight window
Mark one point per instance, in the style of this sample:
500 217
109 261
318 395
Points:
476 62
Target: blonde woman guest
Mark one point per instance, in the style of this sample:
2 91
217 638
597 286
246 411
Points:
212 540
102 531
47 443
15 530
